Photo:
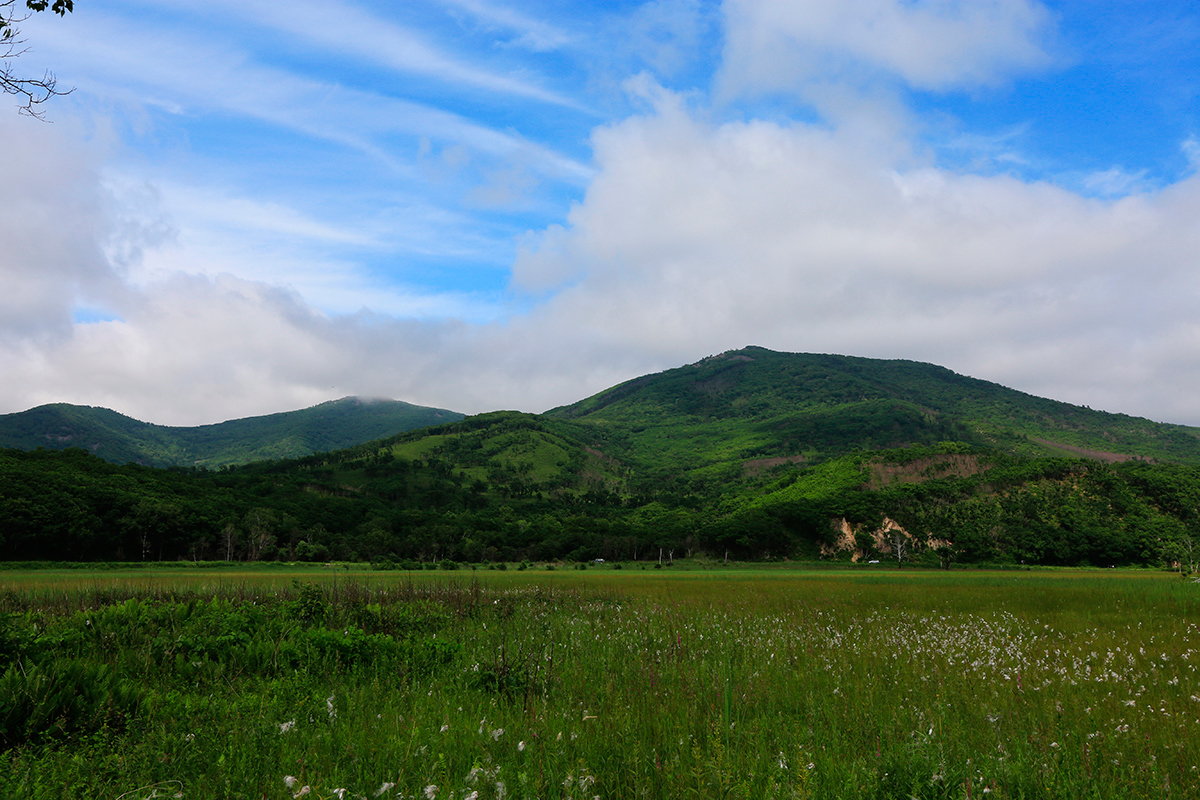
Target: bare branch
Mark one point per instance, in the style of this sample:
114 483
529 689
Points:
31 92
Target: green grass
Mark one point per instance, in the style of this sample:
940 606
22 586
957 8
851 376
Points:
706 681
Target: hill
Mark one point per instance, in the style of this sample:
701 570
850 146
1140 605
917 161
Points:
754 404
120 439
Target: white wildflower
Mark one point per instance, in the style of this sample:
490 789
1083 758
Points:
290 781
286 727
330 707
520 747
444 728
386 785
431 791
496 734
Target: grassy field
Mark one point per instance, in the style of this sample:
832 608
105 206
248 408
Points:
721 682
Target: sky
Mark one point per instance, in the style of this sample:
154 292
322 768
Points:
249 207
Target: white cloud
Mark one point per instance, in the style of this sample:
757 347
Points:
1191 150
346 29
52 232
930 44
534 34
217 234
665 34
192 74
695 238
1116 182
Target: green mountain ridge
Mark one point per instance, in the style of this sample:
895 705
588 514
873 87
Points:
750 453
754 403
120 439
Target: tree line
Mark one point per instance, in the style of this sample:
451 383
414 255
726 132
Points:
367 504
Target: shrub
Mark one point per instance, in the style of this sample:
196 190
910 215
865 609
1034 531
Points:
63 698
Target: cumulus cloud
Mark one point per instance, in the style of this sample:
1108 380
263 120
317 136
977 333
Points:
196 349
697 237
52 232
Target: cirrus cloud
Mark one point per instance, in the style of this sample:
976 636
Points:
933 44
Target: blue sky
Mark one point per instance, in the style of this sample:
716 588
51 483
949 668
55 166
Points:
248 206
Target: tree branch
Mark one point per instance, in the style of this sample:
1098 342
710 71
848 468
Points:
32 91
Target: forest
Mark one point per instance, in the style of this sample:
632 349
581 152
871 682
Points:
71 506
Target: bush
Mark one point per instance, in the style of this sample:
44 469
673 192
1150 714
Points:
64 698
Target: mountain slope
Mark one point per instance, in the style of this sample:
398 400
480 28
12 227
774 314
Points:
751 454
121 439
755 403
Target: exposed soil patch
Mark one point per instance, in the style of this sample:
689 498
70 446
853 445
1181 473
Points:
756 465
594 452
924 469
1097 455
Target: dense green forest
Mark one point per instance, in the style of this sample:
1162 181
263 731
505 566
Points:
747 455
955 505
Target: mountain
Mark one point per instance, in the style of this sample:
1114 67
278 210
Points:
750 453
120 439
754 404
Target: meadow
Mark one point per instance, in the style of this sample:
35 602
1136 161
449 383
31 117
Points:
724 682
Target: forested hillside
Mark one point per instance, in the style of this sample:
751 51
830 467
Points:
756 403
751 454
121 439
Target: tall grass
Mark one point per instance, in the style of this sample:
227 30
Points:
609 684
